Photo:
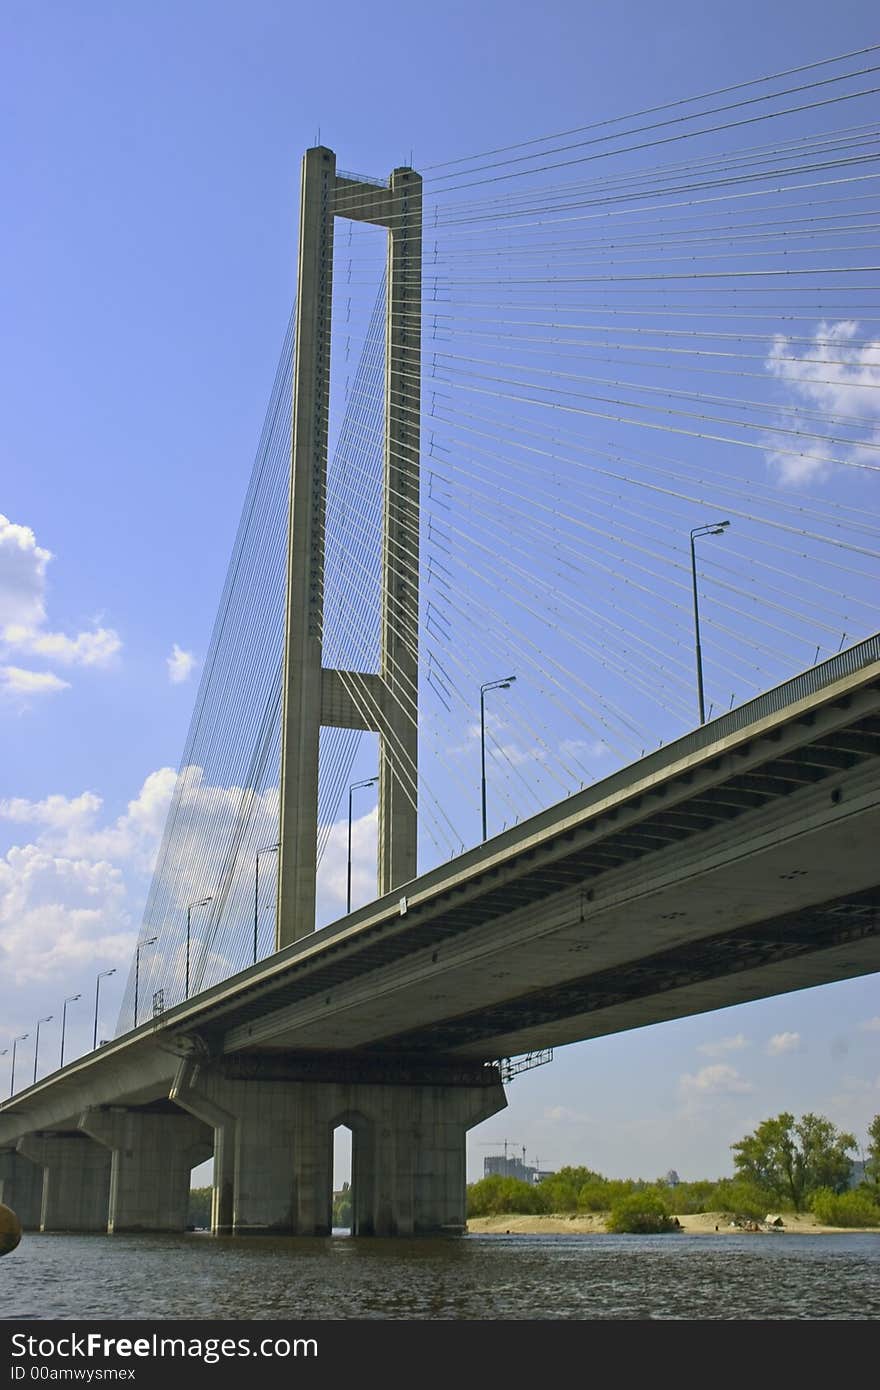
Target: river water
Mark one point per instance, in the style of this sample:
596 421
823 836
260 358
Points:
475 1277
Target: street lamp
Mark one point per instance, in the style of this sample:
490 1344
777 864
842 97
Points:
201 903
137 972
267 849
102 975
69 1000
714 528
368 782
490 685
47 1019
15 1042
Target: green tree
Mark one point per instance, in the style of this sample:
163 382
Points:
694 1196
872 1159
561 1190
845 1208
602 1193
342 1206
740 1199
642 1213
498 1196
199 1214
791 1159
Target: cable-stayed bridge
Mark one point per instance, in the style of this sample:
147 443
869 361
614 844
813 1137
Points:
568 470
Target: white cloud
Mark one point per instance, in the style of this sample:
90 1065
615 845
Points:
15 680
22 575
871 1025
717 1079
95 648
784 1042
831 375
180 665
54 810
333 872
717 1049
70 825
57 913
66 898
71 900
23 616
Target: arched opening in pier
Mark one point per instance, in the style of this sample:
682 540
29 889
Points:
342 1190
201 1192
353 1173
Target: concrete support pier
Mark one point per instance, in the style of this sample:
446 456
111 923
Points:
152 1156
274 1120
76 1180
21 1188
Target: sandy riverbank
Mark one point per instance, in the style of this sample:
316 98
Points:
704 1223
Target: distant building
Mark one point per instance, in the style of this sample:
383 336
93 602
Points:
505 1166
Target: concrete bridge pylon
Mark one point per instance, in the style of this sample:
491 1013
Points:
383 701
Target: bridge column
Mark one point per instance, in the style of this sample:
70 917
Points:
76 1180
21 1188
410 1178
255 1189
408 1154
223 1123
151 1160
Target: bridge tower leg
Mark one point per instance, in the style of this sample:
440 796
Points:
385 701
399 669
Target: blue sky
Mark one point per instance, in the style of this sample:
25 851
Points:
150 159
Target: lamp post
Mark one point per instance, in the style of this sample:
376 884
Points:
202 902
714 528
47 1019
502 684
368 782
102 976
267 849
71 998
137 972
15 1042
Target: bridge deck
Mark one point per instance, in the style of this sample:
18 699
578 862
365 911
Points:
738 862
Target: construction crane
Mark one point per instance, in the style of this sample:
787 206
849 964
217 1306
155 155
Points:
493 1144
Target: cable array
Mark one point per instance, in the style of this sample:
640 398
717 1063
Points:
630 332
